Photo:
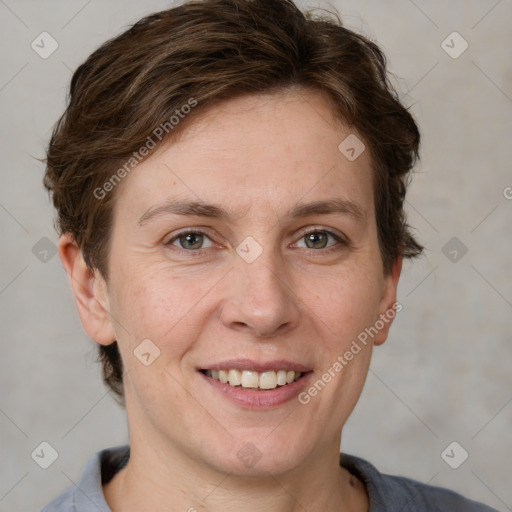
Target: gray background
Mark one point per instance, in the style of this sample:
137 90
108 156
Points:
444 375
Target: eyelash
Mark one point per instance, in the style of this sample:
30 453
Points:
342 242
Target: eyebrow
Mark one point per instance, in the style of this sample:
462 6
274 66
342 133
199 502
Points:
199 209
328 207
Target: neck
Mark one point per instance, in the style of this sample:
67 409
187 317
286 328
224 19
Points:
155 479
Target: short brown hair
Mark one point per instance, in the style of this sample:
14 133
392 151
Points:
209 51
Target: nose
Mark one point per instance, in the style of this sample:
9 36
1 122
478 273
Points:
258 299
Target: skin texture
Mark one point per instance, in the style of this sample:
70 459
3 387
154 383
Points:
257 157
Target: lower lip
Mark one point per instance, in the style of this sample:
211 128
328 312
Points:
250 398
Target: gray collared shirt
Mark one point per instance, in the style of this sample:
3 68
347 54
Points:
387 493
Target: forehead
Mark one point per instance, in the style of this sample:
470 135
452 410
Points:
255 152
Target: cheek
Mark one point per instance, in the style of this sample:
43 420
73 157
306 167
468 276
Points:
347 307
347 304
159 308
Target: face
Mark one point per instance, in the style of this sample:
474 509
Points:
246 250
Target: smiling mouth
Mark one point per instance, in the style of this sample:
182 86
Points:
249 379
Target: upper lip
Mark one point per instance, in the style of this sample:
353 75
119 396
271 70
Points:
257 366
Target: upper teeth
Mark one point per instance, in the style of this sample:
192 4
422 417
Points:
252 379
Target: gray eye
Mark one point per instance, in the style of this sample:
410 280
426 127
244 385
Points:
191 241
317 240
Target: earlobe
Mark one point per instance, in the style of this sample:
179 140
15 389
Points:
90 292
388 305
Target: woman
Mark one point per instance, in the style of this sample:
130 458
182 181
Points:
229 179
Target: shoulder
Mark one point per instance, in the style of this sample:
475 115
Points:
418 496
87 494
387 492
66 501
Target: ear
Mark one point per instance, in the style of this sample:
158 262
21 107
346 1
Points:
388 307
90 292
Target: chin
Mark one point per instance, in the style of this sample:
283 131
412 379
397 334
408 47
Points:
258 455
